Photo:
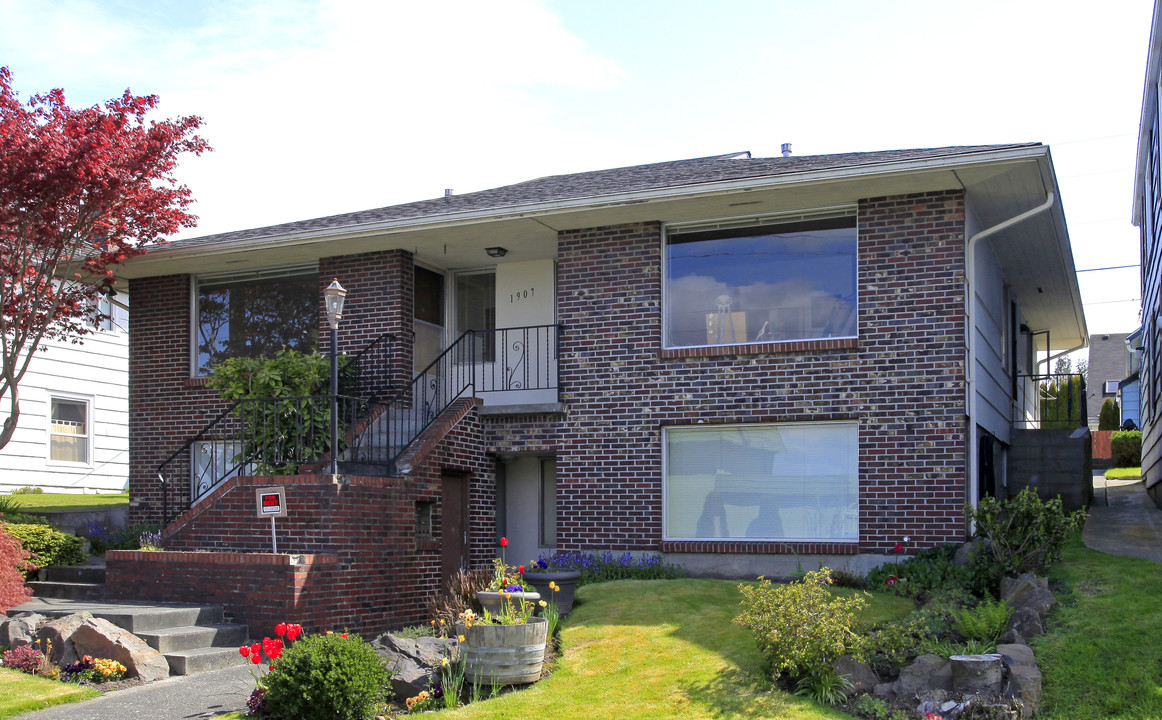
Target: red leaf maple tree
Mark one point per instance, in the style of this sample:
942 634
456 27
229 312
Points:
81 191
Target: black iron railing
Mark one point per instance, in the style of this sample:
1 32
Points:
1051 401
278 436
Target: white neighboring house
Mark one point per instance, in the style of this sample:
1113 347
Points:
73 433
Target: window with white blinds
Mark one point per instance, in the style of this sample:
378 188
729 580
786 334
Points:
786 481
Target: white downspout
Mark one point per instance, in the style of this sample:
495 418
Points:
970 328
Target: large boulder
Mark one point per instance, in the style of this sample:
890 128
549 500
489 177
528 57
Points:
860 675
102 639
1028 591
21 629
1022 676
58 634
414 664
926 673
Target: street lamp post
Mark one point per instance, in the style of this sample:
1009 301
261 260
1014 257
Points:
334 295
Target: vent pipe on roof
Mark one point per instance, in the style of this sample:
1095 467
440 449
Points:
447 192
786 149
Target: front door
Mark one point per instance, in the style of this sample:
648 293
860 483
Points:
453 526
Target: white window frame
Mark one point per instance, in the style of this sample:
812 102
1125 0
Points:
753 221
87 401
852 424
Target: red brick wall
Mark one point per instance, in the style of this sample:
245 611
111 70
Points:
902 380
367 570
168 407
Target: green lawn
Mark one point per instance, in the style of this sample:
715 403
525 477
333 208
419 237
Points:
1119 473
36 502
21 693
1102 656
659 649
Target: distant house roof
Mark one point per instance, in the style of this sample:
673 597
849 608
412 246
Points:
601 183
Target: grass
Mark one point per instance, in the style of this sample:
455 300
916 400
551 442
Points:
1126 472
38 502
659 649
1101 656
22 693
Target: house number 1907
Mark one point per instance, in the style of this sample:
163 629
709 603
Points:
521 295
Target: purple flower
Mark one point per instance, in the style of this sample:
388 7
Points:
514 588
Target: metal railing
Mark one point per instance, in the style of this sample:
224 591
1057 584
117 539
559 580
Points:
278 436
479 361
1056 400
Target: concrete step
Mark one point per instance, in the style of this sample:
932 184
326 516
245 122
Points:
89 573
68 590
134 617
187 662
191 637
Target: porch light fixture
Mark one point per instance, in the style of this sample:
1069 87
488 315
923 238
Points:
334 295
496 252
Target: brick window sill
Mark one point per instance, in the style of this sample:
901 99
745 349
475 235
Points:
760 547
775 348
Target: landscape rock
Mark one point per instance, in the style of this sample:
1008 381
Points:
60 633
21 629
886 690
860 675
926 673
973 674
1028 591
413 663
100 638
1011 637
1022 676
964 553
1026 622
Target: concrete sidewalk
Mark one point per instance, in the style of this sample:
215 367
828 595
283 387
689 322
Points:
202 695
1123 520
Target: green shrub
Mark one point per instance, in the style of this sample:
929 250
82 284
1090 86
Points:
26 490
984 622
890 645
800 627
929 573
1022 534
48 545
826 687
102 538
874 708
327 677
1126 448
1107 419
8 505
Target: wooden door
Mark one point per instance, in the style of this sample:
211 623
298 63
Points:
454 525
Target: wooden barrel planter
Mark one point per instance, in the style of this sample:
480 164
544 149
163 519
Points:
566 580
505 654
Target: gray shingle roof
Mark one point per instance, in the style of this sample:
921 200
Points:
599 183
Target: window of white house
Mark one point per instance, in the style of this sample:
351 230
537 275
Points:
476 310
786 482
772 281
69 430
255 315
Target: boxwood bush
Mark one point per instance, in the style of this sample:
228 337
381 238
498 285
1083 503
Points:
48 545
327 677
1126 448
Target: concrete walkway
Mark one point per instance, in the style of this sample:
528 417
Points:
202 695
1123 520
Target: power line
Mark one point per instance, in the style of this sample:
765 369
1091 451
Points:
1112 267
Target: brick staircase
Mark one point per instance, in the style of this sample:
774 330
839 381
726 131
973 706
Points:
193 638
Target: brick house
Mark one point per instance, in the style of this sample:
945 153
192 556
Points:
737 362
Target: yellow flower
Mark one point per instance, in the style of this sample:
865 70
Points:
330 633
543 603
423 695
441 621
553 586
444 662
460 637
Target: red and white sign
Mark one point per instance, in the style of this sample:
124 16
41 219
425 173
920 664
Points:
271 502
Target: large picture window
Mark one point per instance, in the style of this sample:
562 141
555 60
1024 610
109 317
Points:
256 315
773 282
787 482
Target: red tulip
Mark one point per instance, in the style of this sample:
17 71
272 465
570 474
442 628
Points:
344 636
255 659
522 569
245 650
293 631
899 548
504 542
280 629
255 649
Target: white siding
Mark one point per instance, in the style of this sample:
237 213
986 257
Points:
990 315
97 372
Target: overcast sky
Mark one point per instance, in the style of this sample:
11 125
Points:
317 107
